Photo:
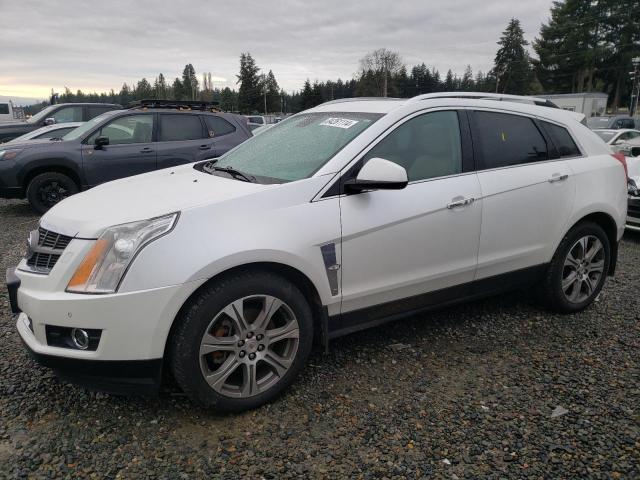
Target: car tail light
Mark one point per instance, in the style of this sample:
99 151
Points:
623 160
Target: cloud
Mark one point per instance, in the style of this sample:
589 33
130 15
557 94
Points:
92 45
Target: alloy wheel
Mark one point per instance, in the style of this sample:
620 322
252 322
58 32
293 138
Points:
51 193
249 346
583 269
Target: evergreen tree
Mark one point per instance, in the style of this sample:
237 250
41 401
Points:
467 83
177 90
143 90
273 93
512 66
160 87
306 97
189 83
250 92
449 82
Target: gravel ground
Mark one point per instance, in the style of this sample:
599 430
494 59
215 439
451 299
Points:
492 389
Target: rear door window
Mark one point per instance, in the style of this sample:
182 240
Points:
93 111
562 140
506 140
175 127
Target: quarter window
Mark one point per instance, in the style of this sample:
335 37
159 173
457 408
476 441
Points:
562 139
506 140
180 127
427 146
217 127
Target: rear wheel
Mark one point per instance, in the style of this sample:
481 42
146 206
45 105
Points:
47 189
578 269
242 341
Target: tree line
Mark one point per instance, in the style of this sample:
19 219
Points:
585 46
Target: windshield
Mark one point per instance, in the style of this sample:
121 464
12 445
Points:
41 115
297 147
87 126
606 136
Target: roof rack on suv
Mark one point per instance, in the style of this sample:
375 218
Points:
360 99
176 104
501 97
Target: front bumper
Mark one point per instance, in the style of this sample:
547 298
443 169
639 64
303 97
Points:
132 377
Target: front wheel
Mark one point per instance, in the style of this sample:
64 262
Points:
242 341
47 189
578 269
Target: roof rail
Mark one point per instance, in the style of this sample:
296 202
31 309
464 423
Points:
359 99
481 96
176 104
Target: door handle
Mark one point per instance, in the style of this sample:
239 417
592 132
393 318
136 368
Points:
146 150
205 147
463 202
556 177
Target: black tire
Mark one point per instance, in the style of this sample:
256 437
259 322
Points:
197 318
552 286
47 189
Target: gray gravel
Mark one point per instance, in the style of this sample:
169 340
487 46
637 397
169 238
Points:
493 389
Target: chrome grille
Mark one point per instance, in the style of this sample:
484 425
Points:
49 239
44 248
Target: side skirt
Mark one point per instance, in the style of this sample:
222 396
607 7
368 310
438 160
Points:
346 323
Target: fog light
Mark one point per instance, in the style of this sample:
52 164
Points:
80 338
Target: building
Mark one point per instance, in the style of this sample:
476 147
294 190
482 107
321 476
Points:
590 104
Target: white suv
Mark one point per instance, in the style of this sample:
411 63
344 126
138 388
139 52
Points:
341 217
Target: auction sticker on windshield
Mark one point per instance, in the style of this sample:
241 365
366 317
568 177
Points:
339 122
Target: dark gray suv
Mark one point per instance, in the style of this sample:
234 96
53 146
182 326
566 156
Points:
117 144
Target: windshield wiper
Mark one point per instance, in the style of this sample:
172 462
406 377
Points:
245 177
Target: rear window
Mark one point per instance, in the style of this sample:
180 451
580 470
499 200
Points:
561 138
180 127
507 140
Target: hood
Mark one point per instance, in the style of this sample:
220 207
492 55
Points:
140 197
12 124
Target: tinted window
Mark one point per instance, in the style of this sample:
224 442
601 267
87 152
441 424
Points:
94 111
427 146
180 127
216 126
58 133
508 139
129 129
4 108
68 114
562 140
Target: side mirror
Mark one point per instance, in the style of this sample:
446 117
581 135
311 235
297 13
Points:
378 174
49 121
101 142
635 151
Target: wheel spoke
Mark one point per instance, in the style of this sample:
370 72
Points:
571 261
271 306
570 280
211 343
596 267
596 247
278 364
217 378
235 311
249 380
583 245
589 284
575 291
290 330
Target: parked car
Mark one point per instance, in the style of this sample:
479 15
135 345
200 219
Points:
58 131
116 144
615 122
341 217
617 137
54 114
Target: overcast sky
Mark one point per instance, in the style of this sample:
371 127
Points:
93 45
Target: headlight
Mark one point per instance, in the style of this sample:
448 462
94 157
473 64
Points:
106 263
9 154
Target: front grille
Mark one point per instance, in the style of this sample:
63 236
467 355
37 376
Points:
43 254
49 239
42 261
